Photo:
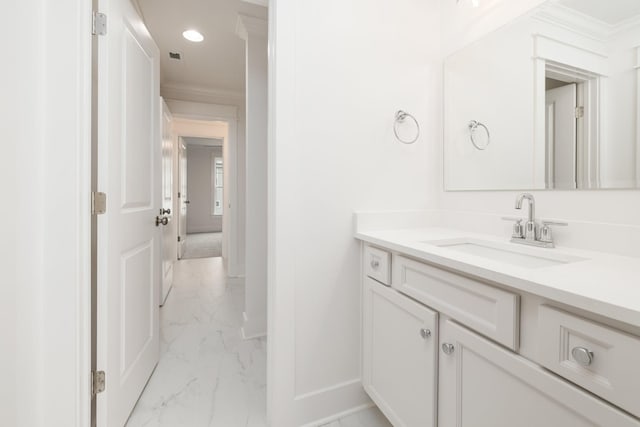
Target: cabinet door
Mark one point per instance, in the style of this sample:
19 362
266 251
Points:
484 385
400 347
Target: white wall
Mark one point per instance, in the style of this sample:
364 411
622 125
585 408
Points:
341 71
200 218
254 31
44 301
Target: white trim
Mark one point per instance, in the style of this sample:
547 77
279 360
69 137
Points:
577 22
346 396
202 94
227 113
201 111
251 26
340 415
561 52
249 331
264 3
581 23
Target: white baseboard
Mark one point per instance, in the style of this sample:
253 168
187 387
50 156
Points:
250 330
345 398
340 415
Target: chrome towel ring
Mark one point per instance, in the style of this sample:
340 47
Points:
400 118
473 126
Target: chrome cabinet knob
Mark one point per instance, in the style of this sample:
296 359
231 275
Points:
448 348
425 333
375 264
582 355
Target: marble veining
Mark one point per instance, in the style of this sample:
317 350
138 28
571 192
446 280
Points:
207 374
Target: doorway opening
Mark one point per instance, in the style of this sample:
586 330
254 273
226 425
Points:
202 196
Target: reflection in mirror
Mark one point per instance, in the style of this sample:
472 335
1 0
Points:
557 91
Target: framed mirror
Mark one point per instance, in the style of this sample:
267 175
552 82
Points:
550 101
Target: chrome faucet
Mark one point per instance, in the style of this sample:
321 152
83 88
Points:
530 227
532 233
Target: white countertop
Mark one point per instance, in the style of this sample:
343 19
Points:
602 283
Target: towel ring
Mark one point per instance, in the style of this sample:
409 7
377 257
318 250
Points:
400 117
473 126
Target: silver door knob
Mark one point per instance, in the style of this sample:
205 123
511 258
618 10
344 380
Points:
187 202
375 263
165 211
448 348
161 220
582 355
425 333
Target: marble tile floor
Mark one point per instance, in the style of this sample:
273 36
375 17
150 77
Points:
207 376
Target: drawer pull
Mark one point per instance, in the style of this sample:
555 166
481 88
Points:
425 333
582 355
375 264
448 348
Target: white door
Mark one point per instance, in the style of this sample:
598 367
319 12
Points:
183 200
400 347
129 250
561 137
169 232
484 385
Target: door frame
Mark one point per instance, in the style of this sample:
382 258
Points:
200 113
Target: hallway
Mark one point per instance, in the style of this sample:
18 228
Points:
202 245
208 376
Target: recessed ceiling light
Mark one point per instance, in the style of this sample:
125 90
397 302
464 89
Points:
193 36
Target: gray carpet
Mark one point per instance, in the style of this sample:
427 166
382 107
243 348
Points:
202 245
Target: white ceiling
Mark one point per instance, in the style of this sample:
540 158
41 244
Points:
611 12
217 63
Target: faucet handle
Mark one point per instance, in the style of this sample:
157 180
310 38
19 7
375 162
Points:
518 229
545 231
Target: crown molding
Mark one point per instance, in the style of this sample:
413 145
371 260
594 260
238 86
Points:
251 26
184 92
574 21
583 24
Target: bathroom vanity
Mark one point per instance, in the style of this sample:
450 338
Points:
461 329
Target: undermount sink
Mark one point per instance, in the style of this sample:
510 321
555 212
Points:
507 252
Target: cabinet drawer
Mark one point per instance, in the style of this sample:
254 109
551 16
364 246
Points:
491 311
601 359
377 264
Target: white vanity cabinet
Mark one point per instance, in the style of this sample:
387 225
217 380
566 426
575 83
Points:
400 343
442 349
482 384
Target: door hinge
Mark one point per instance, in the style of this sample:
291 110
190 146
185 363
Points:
579 112
178 238
178 194
98 203
99 25
98 382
